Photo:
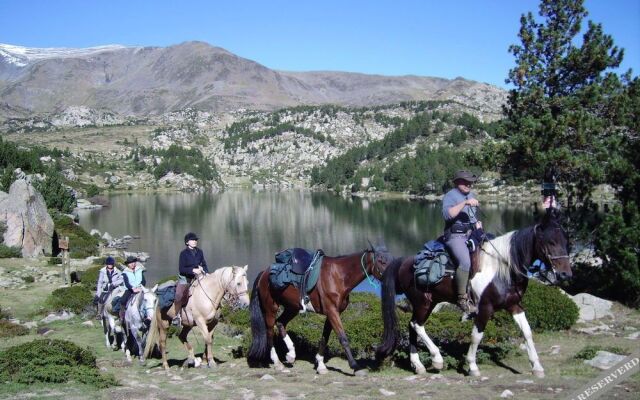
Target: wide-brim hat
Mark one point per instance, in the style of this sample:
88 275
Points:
465 175
131 259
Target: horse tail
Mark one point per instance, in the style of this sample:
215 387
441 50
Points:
389 317
258 352
153 335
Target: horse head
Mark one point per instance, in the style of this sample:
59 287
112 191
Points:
237 290
380 260
552 247
149 302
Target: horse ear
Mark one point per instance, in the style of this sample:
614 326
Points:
246 267
153 289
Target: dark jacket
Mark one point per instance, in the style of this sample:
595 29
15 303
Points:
190 259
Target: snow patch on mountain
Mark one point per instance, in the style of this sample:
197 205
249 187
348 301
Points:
21 56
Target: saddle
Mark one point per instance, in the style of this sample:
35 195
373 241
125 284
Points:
300 260
297 267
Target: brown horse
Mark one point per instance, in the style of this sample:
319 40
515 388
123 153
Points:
338 277
202 310
499 284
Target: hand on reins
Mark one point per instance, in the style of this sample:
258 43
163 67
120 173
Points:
198 271
472 202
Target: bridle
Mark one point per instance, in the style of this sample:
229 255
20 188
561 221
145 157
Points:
231 295
550 258
375 269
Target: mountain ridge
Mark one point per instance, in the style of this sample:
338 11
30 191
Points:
155 80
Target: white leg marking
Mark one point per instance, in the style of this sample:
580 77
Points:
321 369
522 322
291 354
417 365
476 338
276 361
438 362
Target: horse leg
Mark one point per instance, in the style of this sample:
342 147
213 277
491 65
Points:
326 332
270 321
106 328
416 329
518 315
162 332
480 322
191 358
281 323
207 335
334 318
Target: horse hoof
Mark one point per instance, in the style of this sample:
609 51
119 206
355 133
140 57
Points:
291 359
279 367
538 373
322 371
474 372
421 371
211 364
437 365
361 372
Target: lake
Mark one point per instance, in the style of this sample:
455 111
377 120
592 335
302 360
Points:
248 227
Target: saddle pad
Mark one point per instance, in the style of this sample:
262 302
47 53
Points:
166 295
314 272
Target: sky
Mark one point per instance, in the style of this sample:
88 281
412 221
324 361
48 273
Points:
448 39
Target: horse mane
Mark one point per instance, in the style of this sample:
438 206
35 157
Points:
510 253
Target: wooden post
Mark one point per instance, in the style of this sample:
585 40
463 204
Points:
66 264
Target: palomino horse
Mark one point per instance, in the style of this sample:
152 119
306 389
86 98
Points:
499 284
338 277
202 310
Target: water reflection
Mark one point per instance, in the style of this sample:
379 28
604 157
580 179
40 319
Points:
243 227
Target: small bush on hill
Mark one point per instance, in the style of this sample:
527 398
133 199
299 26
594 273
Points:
9 329
75 299
548 309
10 251
589 351
51 361
89 278
81 244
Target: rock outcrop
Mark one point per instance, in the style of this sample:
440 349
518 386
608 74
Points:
26 222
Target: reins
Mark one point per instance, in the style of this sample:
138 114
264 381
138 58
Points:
371 280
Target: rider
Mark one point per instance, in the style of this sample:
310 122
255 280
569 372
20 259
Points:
133 280
109 278
191 263
459 212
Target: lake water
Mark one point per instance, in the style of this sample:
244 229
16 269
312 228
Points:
247 227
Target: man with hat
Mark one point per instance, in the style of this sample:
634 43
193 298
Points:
191 264
109 278
133 280
459 207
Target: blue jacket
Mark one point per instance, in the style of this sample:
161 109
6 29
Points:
134 279
190 259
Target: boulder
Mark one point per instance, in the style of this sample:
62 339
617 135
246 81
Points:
605 360
592 307
29 226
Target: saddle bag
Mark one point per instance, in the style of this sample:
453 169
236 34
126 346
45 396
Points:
430 264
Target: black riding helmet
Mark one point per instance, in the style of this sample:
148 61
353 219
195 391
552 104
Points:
190 236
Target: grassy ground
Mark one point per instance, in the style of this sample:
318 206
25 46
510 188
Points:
232 378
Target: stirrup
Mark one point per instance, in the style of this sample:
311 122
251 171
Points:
176 321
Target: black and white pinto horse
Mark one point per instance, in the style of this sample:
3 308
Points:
499 284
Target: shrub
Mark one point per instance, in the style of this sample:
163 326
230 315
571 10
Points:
51 361
28 279
9 329
81 244
10 251
55 194
74 298
548 309
589 351
89 277
92 190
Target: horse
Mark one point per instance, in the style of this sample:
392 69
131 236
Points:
137 317
499 284
111 325
202 310
338 276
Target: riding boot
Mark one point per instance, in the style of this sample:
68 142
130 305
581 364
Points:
100 310
461 280
181 290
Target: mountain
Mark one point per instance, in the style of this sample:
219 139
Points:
154 80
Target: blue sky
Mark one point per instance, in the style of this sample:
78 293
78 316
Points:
467 38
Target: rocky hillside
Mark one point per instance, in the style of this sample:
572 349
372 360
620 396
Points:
145 81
